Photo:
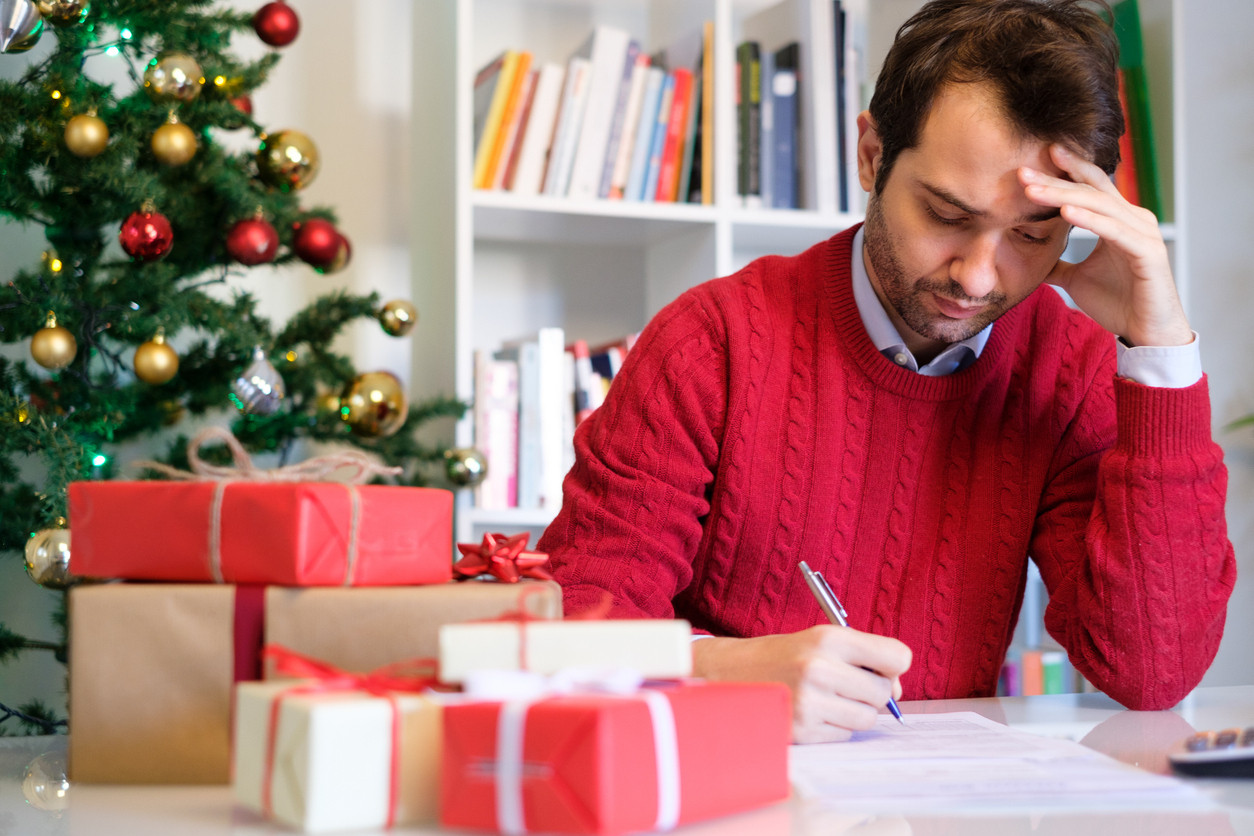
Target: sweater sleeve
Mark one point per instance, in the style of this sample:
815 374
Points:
1132 543
634 503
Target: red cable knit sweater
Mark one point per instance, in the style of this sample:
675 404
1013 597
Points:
755 425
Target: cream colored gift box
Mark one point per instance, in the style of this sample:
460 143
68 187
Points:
656 648
333 757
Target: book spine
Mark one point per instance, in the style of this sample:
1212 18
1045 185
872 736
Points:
562 152
618 126
1053 664
568 414
784 140
529 425
1033 675
607 52
485 89
654 81
552 393
689 189
766 130
672 151
749 111
631 124
492 126
540 127
658 143
1126 173
707 114
518 111
842 105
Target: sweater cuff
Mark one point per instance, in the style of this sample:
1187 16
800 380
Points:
1157 421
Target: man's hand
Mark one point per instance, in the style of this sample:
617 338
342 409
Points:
1125 285
831 693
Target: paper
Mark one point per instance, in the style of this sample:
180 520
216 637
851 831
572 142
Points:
966 759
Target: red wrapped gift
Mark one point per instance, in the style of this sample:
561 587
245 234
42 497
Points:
612 764
243 525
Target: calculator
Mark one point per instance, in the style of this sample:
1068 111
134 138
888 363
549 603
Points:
1215 754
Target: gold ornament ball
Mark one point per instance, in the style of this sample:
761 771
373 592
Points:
398 317
45 785
465 467
86 135
288 160
374 404
174 143
174 77
53 346
156 362
64 12
48 558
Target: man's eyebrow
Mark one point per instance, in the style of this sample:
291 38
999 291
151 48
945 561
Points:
952 199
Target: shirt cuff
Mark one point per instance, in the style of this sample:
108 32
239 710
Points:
1166 367
696 636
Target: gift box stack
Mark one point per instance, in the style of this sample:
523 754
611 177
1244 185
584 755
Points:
305 642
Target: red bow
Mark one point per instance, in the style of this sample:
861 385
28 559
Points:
413 676
505 558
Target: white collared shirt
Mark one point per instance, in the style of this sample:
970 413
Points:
1171 367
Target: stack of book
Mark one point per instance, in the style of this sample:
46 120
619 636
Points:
614 123
1032 672
529 397
801 78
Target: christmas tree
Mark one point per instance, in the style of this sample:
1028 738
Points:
142 165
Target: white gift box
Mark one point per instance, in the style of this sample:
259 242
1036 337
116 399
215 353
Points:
333 757
657 648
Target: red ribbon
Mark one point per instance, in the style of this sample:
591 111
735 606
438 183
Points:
411 676
505 558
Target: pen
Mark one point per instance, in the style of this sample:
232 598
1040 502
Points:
836 614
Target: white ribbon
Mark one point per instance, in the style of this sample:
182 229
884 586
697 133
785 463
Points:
319 469
527 688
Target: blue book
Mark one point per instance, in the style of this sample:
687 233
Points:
644 135
658 143
784 140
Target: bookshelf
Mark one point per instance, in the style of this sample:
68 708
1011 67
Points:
493 266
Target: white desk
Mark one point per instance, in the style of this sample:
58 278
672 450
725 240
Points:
1135 737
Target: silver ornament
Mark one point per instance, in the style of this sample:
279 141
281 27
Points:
48 558
259 390
45 784
465 467
20 25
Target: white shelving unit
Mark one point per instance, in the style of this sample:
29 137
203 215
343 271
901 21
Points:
494 266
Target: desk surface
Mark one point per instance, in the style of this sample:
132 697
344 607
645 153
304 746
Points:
1139 738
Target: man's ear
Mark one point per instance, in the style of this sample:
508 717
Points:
869 151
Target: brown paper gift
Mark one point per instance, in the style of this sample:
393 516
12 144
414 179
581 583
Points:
153 665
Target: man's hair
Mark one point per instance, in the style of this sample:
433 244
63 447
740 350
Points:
1052 65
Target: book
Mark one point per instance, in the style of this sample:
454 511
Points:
655 80
766 130
749 122
488 145
1053 672
496 430
538 132
568 417
657 144
618 126
856 96
809 24
606 50
1125 176
673 148
707 113
1008 684
784 160
1031 673
527 355
485 89
692 131
621 174
842 107
570 122
589 395
554 404
1127 25
515 114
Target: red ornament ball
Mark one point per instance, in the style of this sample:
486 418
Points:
146 235
252 241
342 256
276 23
244 104
317 242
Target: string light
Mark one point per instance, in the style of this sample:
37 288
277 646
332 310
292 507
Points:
220 80
126 34
113 50
99 460
55 265
56 94
291 356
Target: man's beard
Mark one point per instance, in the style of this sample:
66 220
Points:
907 296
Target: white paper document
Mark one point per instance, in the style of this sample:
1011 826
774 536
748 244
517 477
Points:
965 759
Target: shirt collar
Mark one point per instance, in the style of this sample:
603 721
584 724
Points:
887 340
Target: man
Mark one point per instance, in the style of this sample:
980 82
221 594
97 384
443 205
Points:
907 409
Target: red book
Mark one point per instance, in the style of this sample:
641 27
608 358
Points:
1033 675
672 152
287 533
590 764
1126 173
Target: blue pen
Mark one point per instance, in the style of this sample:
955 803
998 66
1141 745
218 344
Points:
836 614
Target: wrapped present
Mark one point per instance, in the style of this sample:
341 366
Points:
609 764
657 648
339 751
154 664
243 525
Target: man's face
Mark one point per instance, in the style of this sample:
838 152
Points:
952 241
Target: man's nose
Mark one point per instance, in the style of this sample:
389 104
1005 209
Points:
975 266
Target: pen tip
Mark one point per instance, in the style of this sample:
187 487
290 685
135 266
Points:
804 567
